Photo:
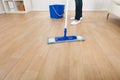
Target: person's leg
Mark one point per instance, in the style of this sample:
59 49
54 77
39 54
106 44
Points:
78 10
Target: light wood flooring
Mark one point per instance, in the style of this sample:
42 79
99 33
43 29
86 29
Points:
25 54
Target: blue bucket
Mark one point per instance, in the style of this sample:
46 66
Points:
56 11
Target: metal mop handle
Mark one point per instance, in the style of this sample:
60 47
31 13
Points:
66 18
66 15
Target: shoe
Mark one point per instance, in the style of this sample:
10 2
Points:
75 22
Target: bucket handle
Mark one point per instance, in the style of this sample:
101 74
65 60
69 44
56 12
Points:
57 12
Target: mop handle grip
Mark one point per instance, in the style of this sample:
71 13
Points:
65 32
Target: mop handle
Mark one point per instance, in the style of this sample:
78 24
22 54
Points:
66 15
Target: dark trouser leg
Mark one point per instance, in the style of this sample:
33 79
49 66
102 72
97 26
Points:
78 10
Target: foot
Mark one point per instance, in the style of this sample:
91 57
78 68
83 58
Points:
75 22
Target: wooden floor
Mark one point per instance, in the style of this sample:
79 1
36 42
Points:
25 54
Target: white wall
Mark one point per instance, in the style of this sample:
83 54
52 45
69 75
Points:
1 7
93 4
38 5
43 5
107 3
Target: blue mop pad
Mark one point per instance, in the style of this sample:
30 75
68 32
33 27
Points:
60 39
65 38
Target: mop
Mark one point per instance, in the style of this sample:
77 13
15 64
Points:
65 38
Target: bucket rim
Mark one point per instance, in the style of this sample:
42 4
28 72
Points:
57 4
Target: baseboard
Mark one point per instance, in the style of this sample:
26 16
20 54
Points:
73 10
2 12
69 10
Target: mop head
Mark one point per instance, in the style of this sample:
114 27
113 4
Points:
53 40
